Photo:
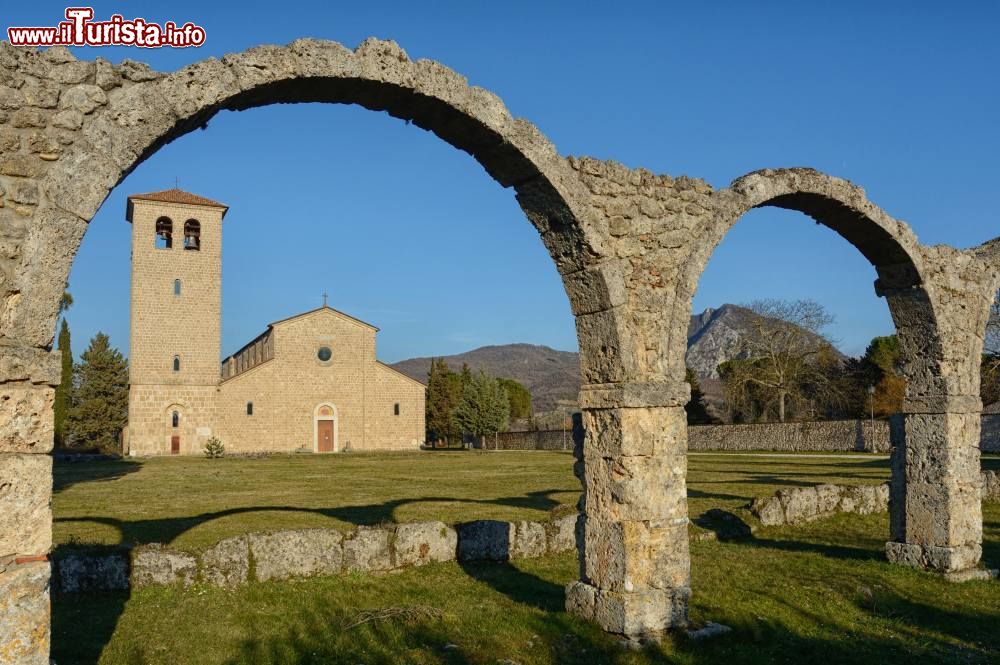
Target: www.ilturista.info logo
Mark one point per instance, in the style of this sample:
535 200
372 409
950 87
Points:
81 30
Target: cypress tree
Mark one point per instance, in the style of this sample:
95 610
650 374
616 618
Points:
443 396
697 412
64 391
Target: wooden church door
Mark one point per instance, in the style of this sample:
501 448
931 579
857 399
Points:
325 436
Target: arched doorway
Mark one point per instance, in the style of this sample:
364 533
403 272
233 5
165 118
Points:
176 424
325 430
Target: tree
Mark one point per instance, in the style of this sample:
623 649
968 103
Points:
64 391
518 399
882 355
787 354
100 407
697 411
444 394
484 408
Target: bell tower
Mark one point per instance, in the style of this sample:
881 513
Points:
174 341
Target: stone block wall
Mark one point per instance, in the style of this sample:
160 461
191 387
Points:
827 435
305 552
555 439
820 436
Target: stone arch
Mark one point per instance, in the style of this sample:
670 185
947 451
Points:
938 298
102 120
142 115
888 244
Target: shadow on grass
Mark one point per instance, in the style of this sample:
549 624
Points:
698 494
65 474
167 529
525 588
83 625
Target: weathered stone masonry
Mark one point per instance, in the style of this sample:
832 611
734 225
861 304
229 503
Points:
629 245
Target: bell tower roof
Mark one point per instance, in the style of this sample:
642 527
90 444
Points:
175 196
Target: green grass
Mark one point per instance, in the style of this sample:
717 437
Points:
822 592
192 503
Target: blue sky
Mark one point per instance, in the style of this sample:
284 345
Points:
899 97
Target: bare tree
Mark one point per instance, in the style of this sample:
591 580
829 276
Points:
788 351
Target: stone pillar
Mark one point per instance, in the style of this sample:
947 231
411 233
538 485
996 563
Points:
27 378
635 569
935 494
935 504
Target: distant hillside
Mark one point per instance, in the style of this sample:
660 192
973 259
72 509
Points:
715 336
550 375
554 376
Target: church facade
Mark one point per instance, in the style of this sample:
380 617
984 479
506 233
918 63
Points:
308 383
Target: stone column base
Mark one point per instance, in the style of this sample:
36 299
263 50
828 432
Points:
637 615
937 559
24 614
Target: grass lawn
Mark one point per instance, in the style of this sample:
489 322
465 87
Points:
816 593
192 503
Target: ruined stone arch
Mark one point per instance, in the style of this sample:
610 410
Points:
939 301
141 115
888 244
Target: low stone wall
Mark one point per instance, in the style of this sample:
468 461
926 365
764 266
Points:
805 504
819 436
302 553
826 435
555 439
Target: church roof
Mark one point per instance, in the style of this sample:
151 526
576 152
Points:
405 376
320 309
178 196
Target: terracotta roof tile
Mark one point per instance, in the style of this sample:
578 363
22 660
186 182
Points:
178 196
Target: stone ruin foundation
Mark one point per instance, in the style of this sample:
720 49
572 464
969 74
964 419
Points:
629 245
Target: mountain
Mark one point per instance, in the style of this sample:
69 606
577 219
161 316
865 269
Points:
716 335
554 376
550 375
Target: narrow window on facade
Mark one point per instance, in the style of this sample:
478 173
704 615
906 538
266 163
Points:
177 287
177 363
192 234
175 419
395 409
164 233
249 408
